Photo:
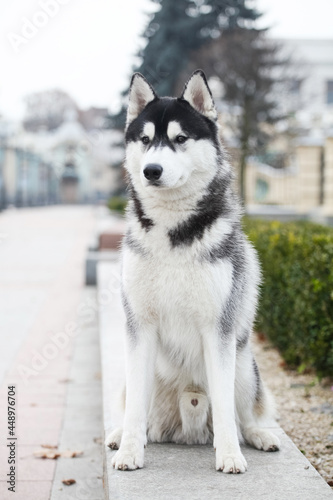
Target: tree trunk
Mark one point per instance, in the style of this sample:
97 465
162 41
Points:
244 149
242 176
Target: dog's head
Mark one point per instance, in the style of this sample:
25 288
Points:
170 139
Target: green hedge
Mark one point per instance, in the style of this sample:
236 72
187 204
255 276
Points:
118 203
296 306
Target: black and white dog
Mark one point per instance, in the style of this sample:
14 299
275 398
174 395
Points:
190 286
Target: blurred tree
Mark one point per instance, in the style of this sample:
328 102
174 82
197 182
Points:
47 109
178 28
251 68
220 37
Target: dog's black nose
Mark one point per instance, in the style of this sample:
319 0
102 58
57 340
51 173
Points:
152 171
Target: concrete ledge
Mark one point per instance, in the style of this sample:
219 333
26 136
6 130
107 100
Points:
187 472
92 258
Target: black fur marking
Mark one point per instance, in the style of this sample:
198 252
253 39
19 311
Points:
162 142
225 249
132 327
213 205
236 255
133 244
146 223
162 111
258 381
242 342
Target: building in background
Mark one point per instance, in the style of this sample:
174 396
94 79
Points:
70 164
297 170
311 88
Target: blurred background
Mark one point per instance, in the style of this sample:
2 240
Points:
66 70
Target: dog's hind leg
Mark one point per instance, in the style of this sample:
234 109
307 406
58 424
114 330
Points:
254 406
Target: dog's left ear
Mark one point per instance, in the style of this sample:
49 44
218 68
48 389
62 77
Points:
198 94
141 93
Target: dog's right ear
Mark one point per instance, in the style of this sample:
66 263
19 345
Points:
141 93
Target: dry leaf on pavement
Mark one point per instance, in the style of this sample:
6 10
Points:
54 453
68 482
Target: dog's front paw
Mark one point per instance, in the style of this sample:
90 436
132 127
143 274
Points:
230 464
128 457
114 438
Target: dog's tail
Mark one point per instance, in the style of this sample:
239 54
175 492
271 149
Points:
195 412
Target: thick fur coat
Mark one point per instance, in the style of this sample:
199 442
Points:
190 287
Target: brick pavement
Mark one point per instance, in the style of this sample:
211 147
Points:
42 254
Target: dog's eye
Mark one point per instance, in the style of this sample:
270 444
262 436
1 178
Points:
145 139
180 139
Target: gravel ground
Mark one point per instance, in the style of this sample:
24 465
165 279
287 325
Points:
304 406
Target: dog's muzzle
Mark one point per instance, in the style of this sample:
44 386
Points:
152 172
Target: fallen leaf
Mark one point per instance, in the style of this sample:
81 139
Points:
71 454
68 482
54 454
47 454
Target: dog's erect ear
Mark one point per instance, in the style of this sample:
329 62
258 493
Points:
198 94
141 93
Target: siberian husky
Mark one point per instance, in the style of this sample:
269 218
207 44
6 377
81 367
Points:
190 286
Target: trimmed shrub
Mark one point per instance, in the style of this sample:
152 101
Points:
117 203
296 305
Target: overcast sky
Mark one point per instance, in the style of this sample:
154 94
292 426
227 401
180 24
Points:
87 47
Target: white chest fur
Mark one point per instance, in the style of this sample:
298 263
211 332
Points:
182 298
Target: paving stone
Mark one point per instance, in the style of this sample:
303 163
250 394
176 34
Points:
26 490
82 426
183 472
29 468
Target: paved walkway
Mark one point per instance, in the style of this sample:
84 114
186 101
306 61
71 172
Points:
82 428
42 254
